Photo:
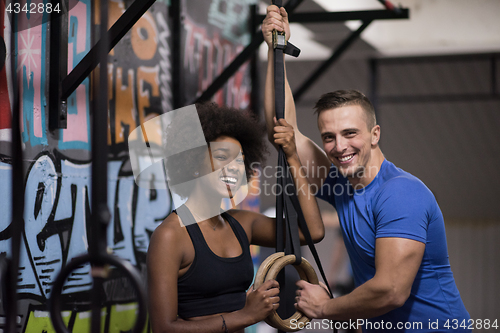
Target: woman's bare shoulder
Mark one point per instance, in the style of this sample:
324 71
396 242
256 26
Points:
171 230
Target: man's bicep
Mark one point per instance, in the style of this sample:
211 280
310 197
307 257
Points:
397 261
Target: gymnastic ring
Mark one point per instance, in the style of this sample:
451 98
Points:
268 270
101 260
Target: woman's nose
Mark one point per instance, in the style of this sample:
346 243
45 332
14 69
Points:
233 165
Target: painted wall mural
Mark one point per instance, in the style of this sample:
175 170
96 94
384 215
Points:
4 73
214 33
58 163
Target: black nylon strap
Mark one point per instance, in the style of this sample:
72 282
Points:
292 50
279 84
290 213
282 233
287 201
293 231
280 242
307 235
289 226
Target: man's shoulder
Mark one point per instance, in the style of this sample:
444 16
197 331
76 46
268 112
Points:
392 176
397 182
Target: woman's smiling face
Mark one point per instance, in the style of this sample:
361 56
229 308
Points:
227 165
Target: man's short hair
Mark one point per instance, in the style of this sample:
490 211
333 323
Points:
341 98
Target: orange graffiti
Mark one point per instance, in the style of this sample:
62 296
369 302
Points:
148 75
144 37
125 120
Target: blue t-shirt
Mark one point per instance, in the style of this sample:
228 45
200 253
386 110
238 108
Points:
397 204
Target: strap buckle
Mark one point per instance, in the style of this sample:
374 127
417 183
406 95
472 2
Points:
279 40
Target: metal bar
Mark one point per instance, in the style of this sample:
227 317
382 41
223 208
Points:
18 188
324 66
438 58
175 12
374 84
100 211
254 67
58 67
114 35
438 98
229 71
359 15
493 74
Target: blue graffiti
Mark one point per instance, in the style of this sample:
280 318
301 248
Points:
42 246
120 191
73 206
57 213
153 205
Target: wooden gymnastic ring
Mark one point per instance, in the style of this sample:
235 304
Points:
268 270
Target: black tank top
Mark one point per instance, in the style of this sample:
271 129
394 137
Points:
214 284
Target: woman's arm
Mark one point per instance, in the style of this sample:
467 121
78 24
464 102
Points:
284 136
262 229
164 260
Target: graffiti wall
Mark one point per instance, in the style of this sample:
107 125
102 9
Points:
214 33
58 162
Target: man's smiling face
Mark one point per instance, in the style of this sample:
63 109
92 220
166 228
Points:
347 140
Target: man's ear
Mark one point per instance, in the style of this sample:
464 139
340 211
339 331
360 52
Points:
375 135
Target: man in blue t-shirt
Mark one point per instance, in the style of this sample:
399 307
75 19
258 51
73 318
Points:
392 226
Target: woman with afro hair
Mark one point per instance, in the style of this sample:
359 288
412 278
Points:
199 263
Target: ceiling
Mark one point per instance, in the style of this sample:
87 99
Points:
434 27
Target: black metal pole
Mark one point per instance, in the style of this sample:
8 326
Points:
100 210
58 66
493 62
18 189
254 66
329 17
324 66
175 11
374 83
